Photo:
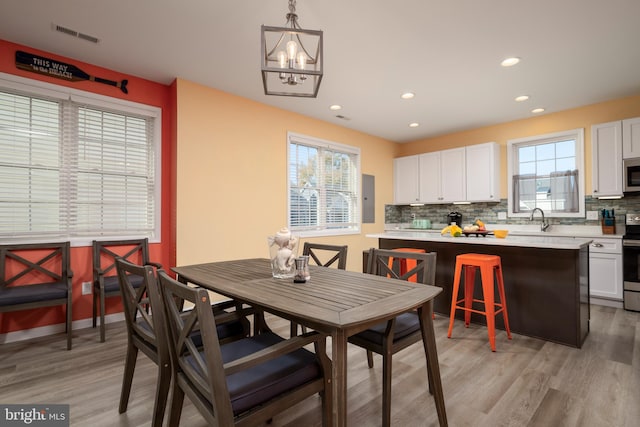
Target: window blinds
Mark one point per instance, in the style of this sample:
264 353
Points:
74 170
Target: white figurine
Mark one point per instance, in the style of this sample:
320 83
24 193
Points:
285 256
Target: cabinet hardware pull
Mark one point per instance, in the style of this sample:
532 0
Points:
598 245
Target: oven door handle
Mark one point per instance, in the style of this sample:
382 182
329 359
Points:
635 243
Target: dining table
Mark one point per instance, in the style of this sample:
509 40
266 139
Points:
335 302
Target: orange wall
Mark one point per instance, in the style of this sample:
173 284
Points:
582 117
232 175
142 91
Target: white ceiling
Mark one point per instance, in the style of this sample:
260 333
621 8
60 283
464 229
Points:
574 53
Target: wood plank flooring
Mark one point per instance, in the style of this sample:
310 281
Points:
527 382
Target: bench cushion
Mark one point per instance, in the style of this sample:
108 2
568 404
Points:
24 294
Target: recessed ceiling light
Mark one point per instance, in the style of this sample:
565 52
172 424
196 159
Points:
522 98
335 107
537 110
510 62
414 125
407 95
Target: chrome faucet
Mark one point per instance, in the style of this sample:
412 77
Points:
545 224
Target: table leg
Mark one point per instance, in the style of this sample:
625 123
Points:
433 368
339 361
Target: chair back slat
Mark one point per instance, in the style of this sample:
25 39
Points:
35 262
105 253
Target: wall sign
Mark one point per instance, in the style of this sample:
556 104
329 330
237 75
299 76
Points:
60 70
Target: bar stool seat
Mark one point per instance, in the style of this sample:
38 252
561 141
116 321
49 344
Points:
489 266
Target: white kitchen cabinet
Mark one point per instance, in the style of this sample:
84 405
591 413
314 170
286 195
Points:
606 155
605 269
442 176
483 172
631 138
406 176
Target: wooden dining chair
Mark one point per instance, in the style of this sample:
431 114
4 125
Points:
334 256
146 332
105 278
246 382
326 255
397 334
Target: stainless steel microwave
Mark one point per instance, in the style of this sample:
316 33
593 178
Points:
631 178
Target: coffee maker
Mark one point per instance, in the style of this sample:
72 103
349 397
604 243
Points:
454 217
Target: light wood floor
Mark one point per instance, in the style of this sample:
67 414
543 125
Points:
527 382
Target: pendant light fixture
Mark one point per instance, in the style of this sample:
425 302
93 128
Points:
291 58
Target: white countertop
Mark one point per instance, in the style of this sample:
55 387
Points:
532 241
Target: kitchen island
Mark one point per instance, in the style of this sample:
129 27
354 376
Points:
546 279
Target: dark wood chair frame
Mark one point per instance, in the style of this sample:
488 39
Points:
340 254
145 332
104 265
55 264
378 263
203 379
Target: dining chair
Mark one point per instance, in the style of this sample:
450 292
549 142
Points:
323 255
245 382
404 330
146 331
105 278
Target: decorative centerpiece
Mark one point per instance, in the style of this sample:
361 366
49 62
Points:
283 247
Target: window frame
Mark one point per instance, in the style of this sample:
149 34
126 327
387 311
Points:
512 157
322 230
40 89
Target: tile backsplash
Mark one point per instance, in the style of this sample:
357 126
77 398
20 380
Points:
488 212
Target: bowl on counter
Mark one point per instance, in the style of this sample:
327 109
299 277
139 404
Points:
500 234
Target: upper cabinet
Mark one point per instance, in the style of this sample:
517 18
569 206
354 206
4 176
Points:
606 156
406 175
631 138
447 176
483 172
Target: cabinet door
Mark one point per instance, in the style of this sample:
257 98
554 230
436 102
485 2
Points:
606 155
430 191
605 276
405 180
453 175
631 138
483 172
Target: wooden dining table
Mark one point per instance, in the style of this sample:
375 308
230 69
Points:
336 302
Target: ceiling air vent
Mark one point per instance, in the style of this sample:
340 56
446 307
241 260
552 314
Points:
74 33
340 116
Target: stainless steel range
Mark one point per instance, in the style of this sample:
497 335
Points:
631 262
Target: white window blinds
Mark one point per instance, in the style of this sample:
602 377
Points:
71 170
324 188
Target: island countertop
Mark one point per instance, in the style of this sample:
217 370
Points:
548 242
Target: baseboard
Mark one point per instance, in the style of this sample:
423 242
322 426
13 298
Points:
605 302
43 331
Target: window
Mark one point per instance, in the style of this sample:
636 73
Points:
323 187
547 172
76 166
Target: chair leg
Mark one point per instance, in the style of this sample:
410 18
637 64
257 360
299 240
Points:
95 307
162 394
489 304
454 297
503 301
386 389
370 358
102 304
127 379
469 282
175 411
69 324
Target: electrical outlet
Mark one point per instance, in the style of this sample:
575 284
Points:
593 215
502 215
86 288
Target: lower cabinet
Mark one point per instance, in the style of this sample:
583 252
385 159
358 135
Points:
605 269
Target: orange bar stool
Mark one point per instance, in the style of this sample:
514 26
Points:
488 265
407 264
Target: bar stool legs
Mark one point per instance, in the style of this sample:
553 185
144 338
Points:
489 266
